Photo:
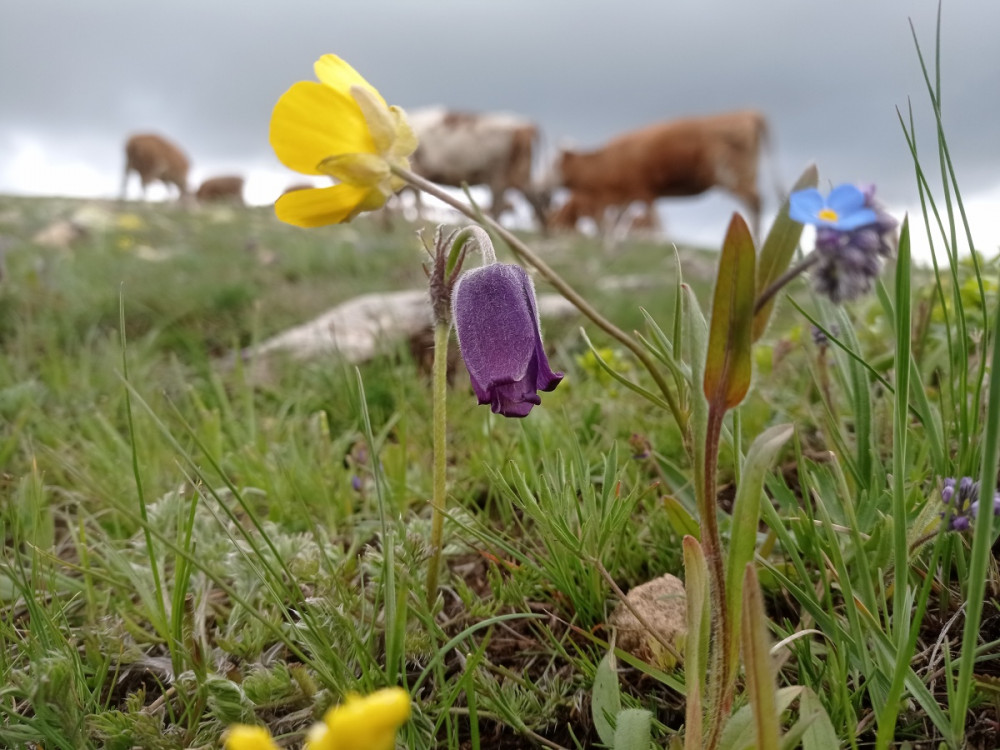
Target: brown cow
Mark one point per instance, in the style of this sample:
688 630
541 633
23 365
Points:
154 158
677 158
633 218
221 189
613 223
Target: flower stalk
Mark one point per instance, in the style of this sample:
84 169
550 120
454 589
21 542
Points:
528 256
782 281
447 258
439 397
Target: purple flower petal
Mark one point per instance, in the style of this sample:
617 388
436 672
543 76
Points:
500 339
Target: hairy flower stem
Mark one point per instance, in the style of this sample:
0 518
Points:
442 333
768 294
527 255
720 687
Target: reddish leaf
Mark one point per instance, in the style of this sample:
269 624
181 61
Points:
728 365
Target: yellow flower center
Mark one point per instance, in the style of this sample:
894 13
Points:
828 214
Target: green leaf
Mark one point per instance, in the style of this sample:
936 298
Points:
695 351
820 734
634 729
778 249
757 662
746 513
739 733
606 700
646 394
696 647
728 366
679 519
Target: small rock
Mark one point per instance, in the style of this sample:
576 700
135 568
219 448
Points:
662 604
61 234
94 217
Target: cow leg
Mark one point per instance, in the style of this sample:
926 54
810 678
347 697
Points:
418 204
752 199
124 192
498 202
540 208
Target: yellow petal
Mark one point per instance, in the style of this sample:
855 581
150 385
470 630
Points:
311 122
243 737
318 207
406 140
368 723
360 170
336 73
380 121
318 737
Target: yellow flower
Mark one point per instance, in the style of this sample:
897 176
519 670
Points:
340 127
130 222
243 737
368 723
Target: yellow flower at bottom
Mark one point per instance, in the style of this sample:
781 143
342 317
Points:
362 723
340 127
243 737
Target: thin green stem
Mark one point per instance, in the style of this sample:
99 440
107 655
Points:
527 255
719 689
442 332
768 294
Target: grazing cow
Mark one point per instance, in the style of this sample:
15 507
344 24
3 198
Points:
635 218
154 158
492 149
678 158
221 190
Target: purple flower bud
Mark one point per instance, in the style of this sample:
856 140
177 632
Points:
966 486
501 342
960 523
974 508
356 483
947 491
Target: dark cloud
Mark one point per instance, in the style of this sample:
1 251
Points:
829 76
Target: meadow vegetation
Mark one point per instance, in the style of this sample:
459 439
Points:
188 545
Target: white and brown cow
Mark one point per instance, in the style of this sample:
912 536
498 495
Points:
491 149
154 158
677 158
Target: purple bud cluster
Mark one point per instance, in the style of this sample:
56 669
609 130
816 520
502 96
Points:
963 498
851 260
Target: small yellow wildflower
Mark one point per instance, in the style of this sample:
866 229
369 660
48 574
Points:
340 127
130 222
362 723
243 737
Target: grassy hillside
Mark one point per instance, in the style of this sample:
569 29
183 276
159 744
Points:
188 546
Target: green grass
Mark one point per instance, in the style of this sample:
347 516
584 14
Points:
188 545
185 549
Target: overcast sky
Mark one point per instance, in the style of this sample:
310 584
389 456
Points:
77 77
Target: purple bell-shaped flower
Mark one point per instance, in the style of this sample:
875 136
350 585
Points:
496 319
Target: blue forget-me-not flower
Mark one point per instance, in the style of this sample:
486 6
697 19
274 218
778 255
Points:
853 235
